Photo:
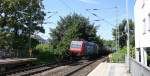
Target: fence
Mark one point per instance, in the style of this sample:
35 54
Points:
13 53
138 69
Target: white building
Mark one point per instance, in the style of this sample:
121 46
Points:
142 29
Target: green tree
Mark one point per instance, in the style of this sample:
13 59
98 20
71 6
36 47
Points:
109 43
123 31
120 55
72 27
5 39
22 18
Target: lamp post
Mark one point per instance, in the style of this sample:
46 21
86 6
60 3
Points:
29 29
128 36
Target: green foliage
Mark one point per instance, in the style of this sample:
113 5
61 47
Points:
44 53
22 19
42 47
122 33
109 43
132 52
5 39
72 27
119 56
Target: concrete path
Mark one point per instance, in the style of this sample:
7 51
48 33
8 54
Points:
110 69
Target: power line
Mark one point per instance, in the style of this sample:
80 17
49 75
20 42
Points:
96 9
65 4
102 19
117 30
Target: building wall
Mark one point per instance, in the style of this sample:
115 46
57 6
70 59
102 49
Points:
142 28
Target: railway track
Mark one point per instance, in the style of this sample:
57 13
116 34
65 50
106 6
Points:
65 69
86 69
73 69
31 70
28 70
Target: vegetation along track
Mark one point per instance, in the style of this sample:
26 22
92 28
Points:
75 69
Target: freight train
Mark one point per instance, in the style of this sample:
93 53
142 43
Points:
87 49
83 48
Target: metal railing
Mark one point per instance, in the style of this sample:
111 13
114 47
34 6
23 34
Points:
5 53
138 69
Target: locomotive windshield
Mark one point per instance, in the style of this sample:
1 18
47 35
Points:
75 44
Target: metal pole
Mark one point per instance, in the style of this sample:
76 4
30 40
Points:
30 49
116 39
30 43
117 28
30 24
128 36
29 28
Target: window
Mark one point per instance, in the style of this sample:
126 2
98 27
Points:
144 27
149 22
138 49
75 46
143 4
148 56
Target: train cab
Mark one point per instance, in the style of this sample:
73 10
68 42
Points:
77 48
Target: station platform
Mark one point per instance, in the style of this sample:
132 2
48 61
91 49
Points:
16 60
110 69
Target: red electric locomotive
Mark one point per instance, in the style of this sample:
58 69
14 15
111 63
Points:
77 48
83 48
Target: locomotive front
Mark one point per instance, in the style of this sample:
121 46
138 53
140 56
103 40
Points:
77 48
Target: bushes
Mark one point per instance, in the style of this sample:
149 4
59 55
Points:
132 52
44 53
119 56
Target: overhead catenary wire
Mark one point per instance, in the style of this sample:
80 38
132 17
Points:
117 30
96 9
66 5
102 19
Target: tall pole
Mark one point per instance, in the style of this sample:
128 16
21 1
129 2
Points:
117 28
128 36
116 39
30 25
30 49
